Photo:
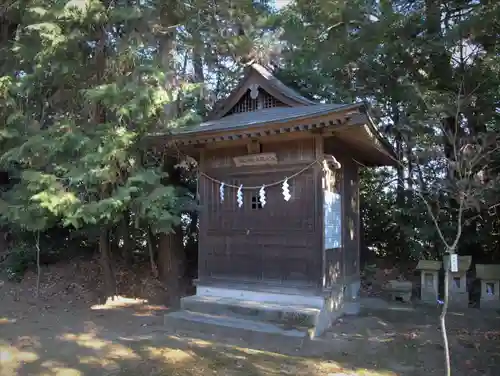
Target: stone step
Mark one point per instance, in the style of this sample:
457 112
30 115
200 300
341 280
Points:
288 316
227 327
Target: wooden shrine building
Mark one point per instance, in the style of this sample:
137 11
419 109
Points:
279 193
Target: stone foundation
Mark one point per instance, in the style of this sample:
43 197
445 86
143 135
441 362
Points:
458 295
271 309
489 294
331 310
490 285
458 300
352 305
279 296
429 281
399 290
457 282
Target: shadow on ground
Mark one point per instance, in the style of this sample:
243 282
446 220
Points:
133 341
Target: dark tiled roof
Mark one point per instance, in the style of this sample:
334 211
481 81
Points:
267 116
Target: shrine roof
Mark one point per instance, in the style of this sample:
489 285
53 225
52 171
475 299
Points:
261 105
266 116
256 74
279 85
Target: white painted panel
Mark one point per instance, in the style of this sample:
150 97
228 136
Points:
333 220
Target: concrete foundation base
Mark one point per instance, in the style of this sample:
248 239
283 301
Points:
286 296
490 297
429 296
399 290
404 297
352 304
429 281
489 304
459 300
290 312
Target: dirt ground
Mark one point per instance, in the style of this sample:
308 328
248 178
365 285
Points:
40 337
64 333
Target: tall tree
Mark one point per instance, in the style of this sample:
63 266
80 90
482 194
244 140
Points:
92 95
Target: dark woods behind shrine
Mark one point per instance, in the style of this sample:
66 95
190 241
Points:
82 84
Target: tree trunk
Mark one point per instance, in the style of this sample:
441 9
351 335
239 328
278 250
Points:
127 246
152 251
441 71
169 264
409 178
106 265
167 51
364 252
171 257
99 117
199 75
9 23
192 248
170 246
400 188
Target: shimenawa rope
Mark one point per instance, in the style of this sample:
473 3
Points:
265 185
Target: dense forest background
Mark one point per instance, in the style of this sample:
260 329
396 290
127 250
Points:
84 83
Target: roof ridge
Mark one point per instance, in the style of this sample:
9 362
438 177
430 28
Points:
280 85
272 84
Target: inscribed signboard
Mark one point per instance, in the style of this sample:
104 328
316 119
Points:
332 220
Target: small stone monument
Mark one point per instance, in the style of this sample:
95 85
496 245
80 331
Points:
458 295
490 284
399 290
429 280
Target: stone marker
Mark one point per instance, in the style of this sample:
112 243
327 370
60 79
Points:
429 280
399 290
458 296
490 284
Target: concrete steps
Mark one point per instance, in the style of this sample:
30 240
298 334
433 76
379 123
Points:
288 312
227 326
289 316
214 314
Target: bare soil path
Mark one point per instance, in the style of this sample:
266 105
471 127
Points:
49 339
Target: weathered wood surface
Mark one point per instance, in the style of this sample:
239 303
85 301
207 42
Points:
280 241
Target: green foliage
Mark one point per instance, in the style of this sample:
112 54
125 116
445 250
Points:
20 259
56 245
404 60
77 118
82 84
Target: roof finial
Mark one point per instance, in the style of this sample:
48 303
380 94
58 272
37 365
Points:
254 91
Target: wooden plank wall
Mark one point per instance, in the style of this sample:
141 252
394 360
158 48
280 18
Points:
351 220
280 242
341 265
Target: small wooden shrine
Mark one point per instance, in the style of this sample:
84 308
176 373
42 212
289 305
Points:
279 189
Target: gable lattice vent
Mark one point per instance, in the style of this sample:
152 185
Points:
249 104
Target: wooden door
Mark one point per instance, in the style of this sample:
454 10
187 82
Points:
278 241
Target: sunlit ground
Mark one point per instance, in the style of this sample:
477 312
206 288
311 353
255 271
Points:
200 358
127 337
43 347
